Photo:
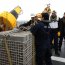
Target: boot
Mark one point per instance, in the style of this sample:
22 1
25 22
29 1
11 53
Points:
57 53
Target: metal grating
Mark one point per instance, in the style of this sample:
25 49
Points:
19 46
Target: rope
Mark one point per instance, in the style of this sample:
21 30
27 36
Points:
7 49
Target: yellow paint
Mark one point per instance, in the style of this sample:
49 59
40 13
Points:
59 34
17 9
9 20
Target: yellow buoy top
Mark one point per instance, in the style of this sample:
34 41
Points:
8 19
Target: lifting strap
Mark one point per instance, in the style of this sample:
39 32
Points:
7 50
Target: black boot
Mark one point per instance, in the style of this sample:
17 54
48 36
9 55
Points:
57 53
59 49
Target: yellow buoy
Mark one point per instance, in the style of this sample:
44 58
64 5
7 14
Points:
8 19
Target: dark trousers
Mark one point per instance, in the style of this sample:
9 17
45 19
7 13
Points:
61 38
43 57
54 35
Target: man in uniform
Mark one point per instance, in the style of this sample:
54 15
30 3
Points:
62 30
42 43
54 31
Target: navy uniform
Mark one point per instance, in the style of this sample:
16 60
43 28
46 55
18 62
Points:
42 43
62 30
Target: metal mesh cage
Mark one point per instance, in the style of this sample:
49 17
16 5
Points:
19 45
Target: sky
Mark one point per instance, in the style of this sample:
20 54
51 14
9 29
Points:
30 7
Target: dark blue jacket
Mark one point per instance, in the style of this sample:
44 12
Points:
41 33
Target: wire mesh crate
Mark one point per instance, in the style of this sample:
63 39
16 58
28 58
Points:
15 48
